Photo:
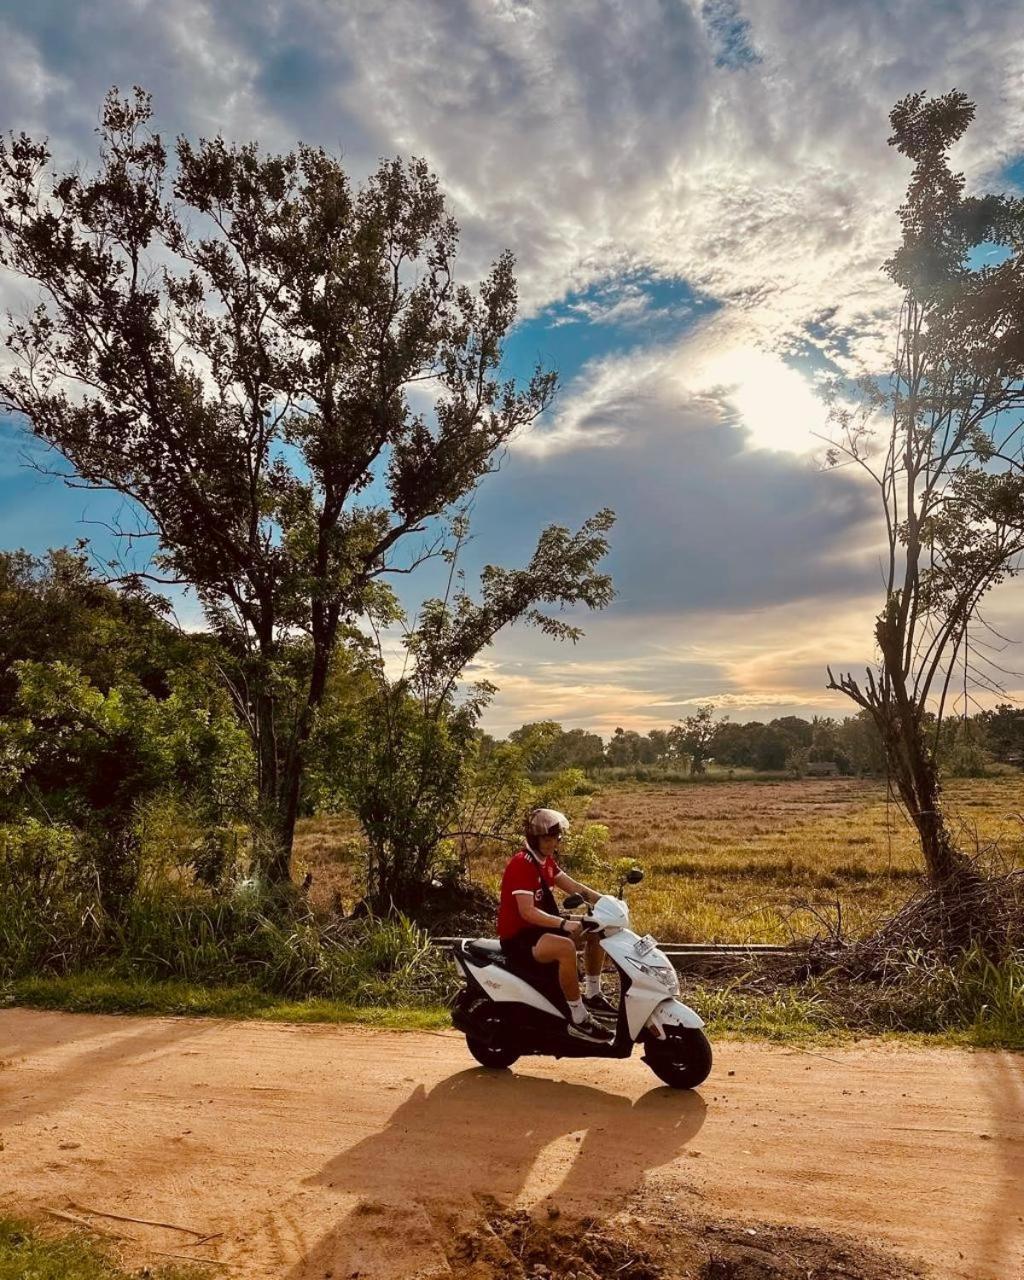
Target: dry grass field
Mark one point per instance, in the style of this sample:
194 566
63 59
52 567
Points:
744 861
764 862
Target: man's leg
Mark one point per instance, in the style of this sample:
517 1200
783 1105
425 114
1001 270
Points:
553 948
593 998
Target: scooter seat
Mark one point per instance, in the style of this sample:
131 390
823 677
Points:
486 950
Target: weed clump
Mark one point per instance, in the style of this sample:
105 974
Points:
242 936
27 1254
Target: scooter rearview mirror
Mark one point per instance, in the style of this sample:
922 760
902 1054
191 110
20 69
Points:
635 875
573 900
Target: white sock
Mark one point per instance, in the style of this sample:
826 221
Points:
592 985
577 1011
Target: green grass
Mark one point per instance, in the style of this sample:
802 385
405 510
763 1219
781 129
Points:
788 1015
27 1254
100 992
815 1015
237 938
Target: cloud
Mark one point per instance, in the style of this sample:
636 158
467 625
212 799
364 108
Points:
644 674
738 148
704 522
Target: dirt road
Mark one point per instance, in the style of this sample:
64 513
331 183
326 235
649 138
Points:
314 1151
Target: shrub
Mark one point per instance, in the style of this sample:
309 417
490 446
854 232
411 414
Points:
102 763
236 935
584 852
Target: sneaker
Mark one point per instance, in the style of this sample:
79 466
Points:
588 1029
599 1007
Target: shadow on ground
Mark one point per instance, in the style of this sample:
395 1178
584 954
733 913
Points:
480 1134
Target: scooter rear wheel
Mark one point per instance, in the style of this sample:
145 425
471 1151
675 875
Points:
683 1060
491 1055
487 1047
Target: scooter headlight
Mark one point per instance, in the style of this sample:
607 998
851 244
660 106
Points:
668 978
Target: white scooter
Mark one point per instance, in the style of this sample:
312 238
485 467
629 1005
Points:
508 1011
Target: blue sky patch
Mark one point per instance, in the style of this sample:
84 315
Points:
611 318
729 33
1014 172
987 254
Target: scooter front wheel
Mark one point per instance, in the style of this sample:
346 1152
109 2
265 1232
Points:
682 1059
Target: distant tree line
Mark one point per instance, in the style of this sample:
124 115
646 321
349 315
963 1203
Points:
785 744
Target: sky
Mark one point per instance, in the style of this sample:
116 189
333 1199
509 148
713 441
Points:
699 196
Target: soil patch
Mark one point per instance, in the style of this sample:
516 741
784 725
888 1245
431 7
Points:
516 1245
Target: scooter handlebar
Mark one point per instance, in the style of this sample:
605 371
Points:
589 926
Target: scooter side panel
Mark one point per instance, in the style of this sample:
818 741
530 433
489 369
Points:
645 995
508 988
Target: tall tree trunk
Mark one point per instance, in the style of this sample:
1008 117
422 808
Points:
914 771
269 789
899 716
289 790
944 862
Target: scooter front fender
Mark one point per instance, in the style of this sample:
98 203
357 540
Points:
672 1013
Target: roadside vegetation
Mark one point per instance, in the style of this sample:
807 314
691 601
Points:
131 882
27 1252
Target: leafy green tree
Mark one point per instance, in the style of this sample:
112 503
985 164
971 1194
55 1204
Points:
771 749
1004 732
55 608
693 737
551 747
230 344
961 750
733 744
85 760
539 743
623 748
799 732
657 747
949 466
413 759
579 749
826 745
862 745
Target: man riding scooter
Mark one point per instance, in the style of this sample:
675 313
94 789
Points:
530 927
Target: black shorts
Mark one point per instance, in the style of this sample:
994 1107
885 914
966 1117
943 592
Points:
519 948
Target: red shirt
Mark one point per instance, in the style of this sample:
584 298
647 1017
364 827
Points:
525 873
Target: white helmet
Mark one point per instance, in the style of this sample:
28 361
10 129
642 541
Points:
546 822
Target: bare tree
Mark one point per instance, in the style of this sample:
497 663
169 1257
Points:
942 441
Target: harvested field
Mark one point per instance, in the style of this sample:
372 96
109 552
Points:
745 861
767 862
